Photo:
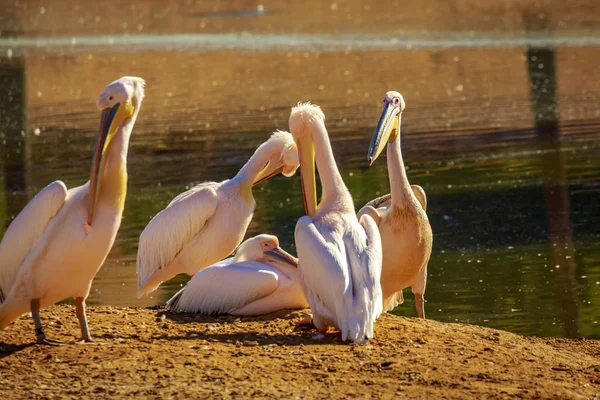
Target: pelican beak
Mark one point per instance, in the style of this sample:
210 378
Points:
110 120
387 130
280 255
306 153
267 172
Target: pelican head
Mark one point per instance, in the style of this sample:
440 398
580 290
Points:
264 248
389 124
284 158
118 104
302 115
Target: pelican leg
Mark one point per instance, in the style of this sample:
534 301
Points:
320 324
420 305
307 320
418 290
39 331
80 310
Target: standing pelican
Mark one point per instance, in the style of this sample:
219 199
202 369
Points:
260 279
405 231
56 245
339 256
206 223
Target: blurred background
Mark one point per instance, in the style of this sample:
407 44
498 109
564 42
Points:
501 128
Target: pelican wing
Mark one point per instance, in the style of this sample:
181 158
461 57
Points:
225 289
386 199
393 301
26 230
324 275
365 258
172 228
420 195
382 201
371 211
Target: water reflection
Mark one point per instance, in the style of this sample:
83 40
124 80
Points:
14 150
541 65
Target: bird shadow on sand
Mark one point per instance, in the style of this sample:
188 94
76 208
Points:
183 318
294 336
8 349
254 338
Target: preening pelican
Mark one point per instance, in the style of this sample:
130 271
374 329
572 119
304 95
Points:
403 224
55 246
339 256
261 278
206 223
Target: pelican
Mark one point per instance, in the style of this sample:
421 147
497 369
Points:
339 255
58 242
403 225
261 278
206 223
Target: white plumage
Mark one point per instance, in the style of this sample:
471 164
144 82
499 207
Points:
339 257
260 279
26 230
55 246
206 223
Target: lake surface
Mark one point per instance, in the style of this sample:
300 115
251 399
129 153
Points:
501 129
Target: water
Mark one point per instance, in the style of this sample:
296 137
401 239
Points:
501 130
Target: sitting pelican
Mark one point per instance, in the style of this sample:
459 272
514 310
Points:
405 231
260 279
339 256
56 245
206 223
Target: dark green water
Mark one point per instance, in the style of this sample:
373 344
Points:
503 137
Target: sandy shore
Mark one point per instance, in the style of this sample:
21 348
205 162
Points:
146 354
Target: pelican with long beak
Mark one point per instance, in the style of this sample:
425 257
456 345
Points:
56 245
406 235
206 223
339 255
260 279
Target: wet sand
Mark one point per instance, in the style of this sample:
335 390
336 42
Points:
141 353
